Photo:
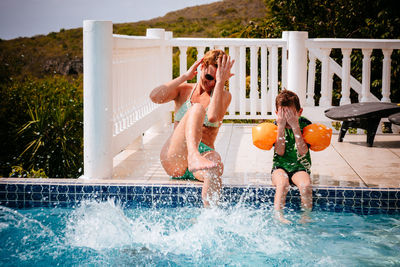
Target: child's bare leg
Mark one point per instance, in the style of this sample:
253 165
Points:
302 180
281 181
212 179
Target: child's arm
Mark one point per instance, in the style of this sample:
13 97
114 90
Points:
280 144
293 121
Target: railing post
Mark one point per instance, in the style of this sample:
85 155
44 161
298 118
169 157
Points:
264 100
345 76
285 37
182 60
242 80
366 75
253 79
97 96
386 75
297 65
326 96
311 80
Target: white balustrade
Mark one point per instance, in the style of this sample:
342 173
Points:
316 47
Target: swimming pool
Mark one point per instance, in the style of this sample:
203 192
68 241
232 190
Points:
107 233
74 223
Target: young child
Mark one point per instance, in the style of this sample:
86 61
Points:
292 161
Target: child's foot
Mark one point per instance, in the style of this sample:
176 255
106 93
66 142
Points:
305 219
279 216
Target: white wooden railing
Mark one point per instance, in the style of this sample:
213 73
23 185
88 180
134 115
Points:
321 48
120 71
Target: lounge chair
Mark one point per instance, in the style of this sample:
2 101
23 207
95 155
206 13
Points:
395 118
362 115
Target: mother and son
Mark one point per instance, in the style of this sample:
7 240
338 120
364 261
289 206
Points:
189 153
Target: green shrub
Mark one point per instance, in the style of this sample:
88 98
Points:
43 126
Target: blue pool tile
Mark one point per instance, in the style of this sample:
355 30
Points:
339 193
226 190
53 197
371 194
237 191
293 193
12 196
20 188
88 189
189 190
235 198
328 193
15 204
79 189
62 189
139 190
3 187
373 203
164 200
348 202
11 188
36 196
165 190
350 194
62 197
122 189
392 194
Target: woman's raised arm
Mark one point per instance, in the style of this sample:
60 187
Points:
170 90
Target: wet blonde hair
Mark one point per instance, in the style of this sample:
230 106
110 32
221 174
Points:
211 57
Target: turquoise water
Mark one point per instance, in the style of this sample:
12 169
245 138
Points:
104 234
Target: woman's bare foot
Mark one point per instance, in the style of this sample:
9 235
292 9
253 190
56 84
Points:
196 162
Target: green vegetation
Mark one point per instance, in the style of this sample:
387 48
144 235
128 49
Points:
42 127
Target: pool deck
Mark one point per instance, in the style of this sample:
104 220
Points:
350 163
347 164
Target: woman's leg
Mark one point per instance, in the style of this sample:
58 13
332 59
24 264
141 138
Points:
181 150
280 180
212 179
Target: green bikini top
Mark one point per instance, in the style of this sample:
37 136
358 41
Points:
188 104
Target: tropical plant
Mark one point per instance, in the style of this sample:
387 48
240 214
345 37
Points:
43 118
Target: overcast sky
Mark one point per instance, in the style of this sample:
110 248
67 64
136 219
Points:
25 18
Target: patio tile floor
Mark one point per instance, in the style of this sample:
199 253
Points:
347 164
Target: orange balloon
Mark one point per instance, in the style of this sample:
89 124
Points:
264 135
318 136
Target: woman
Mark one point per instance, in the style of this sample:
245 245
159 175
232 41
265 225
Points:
199 110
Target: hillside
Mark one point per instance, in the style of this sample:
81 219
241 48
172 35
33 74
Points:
61 52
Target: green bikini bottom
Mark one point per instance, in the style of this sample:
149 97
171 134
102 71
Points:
189 175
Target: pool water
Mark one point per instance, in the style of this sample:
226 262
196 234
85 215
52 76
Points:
105 233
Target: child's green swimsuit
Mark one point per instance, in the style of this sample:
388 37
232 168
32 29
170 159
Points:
291 161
